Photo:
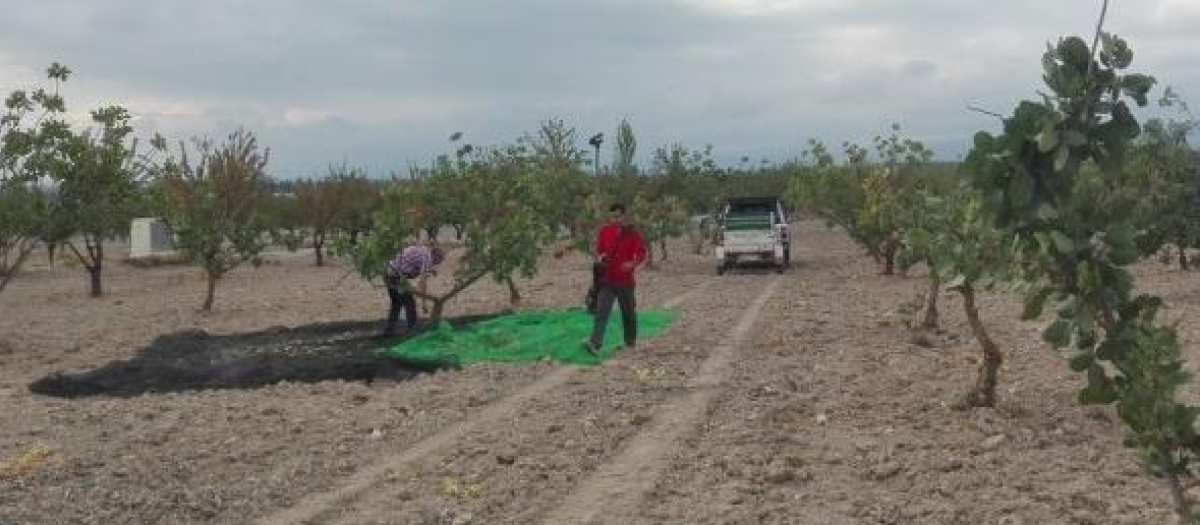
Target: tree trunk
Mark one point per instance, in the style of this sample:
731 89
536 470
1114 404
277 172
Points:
94 273
431 232
931 310
439 305
984 394
50 248
439 302
93 262
650 256
354 236
514 296
96 267
889 258
319 248
9 273
662 245
1183 257
1183 507
458 232
212 289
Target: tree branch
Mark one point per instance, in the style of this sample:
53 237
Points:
985 112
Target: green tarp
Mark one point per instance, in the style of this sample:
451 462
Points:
525 336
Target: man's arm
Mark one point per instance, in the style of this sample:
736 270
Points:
598 244
639 255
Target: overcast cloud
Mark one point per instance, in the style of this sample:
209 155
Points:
382 84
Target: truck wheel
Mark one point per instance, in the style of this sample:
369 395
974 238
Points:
787 255
721 269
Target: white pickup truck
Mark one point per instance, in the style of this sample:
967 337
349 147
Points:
753 229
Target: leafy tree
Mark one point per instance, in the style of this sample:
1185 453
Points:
322 202
97 188
559 163
836 193
87 182
283 219
690 175
54 226
1075 245
659 219
1163 175
958 240
32 133
625 170
215 205
19 219
504 236
869 200
593 213
362 198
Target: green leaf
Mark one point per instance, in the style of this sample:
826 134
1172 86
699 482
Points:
1122 248
1118 51
1047 212
1058 334
1044 243
1062 243
1020 190
1099 390
1108 350
1061 156
1035 303
983 141
1074 52
1081 362
1047 139
1074 138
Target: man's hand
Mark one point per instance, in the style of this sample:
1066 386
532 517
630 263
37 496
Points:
628 266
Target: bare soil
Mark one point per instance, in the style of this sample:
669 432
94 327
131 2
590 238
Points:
828 411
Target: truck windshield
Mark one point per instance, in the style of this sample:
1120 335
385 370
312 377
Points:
751 208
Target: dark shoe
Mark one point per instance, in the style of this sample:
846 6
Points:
631 346
591 348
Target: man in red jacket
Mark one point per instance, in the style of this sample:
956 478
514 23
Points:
620 250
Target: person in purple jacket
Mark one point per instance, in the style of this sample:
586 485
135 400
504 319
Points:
416 261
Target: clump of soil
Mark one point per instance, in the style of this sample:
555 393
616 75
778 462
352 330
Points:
196 360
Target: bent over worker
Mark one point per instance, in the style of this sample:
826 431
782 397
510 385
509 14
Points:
417 261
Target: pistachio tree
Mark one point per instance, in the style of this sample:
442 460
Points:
321 202
215 205
1163 175
957 239
33 132
19 224
504 236
97 189
1076 245
659 219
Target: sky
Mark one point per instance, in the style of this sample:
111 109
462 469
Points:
382 84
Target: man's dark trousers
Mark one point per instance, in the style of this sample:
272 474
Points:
623 296
401 300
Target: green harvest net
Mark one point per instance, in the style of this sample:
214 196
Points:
525 336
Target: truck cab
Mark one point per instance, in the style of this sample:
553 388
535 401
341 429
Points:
753 230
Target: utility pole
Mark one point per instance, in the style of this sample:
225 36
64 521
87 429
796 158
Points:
595 141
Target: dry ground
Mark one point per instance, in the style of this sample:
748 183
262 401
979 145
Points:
822 411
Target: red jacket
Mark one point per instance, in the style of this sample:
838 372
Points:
616 245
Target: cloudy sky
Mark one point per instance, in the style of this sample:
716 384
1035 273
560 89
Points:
382 84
